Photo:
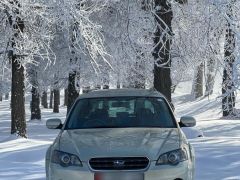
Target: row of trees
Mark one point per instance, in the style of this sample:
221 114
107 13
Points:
81 44
29 30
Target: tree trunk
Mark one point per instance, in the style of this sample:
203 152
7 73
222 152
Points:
106 86
44 99
86 89
18 122
59 99
51 100
210 77
228 91
66 97
35 104
211 65
56 98
118 78
72 92
131 76
162 41
198 82
139 74
106 80
6 96
118 84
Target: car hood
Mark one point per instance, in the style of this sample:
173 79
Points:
120 142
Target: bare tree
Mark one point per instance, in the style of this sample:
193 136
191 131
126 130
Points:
198 82
56 99
44 102
162 55
35 104
228 100
72 92
18 123
51 99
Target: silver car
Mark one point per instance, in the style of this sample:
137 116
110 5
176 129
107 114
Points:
122 134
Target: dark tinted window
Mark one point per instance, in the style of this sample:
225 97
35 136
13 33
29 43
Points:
120 112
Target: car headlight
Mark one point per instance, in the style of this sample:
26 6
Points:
65 159
172 157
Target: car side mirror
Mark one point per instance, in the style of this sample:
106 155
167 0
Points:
54 124
187 121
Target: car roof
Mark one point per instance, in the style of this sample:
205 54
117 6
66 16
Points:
121 93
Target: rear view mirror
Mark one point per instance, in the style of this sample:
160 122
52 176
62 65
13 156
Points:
187 121
54 124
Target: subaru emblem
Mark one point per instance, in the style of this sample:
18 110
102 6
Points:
119 163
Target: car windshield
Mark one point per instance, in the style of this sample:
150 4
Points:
120 112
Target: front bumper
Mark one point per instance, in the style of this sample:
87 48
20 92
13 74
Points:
182 171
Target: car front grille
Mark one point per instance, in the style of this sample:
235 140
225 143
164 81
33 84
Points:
121 163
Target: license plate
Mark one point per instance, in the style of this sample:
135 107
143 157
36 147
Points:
119 176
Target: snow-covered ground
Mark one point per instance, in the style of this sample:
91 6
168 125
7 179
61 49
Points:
24 158
217 153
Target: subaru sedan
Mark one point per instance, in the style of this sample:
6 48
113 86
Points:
123 134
